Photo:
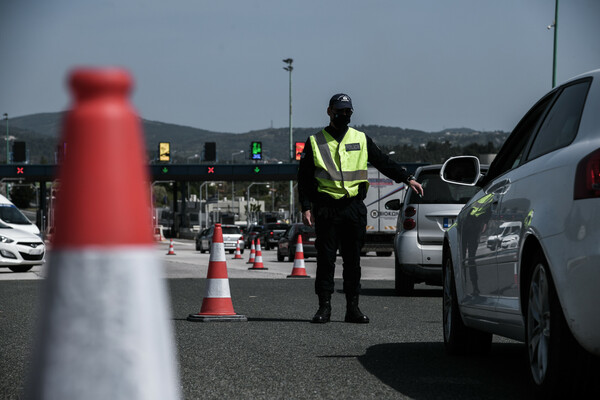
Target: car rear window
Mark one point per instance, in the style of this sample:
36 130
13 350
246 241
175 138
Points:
436 191
230 230
276 226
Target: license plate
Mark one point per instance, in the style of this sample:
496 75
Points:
448 222
35 252
312 239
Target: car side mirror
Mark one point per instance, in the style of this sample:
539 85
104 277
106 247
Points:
394 204
461 170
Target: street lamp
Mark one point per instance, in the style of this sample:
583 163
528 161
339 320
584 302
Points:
555 26
289 68
6 118
248 200
233 182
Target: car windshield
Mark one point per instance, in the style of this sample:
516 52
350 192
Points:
436 191
11 215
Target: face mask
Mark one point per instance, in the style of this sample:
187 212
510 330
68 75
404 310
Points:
341 121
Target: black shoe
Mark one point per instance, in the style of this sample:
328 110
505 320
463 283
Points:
324 312
353 313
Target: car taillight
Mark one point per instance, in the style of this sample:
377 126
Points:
271 233
410 212
587 177
241 237
409 224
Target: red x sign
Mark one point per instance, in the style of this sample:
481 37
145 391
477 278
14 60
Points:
211 170
19 170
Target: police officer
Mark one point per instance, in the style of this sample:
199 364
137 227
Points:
332 184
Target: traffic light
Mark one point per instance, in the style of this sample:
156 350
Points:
256 151
164 151
299 150
19 152
210 151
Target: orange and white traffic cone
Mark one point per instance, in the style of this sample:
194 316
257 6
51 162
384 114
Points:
298 270
91 341
252 253
217 305
258 262
238 254
171 250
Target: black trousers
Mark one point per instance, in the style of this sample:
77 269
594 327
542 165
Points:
343 228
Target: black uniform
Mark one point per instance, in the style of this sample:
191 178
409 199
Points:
340 223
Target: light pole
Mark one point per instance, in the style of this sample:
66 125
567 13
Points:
555 26
289 68
6 118
248 200
233 183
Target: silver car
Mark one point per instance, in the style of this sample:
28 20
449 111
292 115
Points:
539 281
421 226
232 238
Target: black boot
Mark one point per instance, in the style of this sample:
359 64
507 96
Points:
353 313
324 312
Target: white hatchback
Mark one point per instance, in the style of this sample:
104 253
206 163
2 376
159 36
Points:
20 250
538 281
420 228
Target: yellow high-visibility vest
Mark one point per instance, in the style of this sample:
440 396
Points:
340 166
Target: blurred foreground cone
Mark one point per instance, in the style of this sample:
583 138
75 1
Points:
217 305
252 253
258 262
298 270
171 250
238 254
94 339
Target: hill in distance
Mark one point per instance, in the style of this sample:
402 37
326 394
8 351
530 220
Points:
41 133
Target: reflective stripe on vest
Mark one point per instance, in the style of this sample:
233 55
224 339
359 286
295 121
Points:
340 167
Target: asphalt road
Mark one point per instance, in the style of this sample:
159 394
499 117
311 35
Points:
278 353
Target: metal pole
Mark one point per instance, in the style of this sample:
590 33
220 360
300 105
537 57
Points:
289 68
555 42
6 118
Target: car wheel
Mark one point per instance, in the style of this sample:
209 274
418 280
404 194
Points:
20 268
280 257
558 365
458 338
404 284
197 246
292 254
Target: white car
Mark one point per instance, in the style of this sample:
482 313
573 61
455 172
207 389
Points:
420 228
539 284
20 250
12 216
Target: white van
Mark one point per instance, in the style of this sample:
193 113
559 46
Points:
13 217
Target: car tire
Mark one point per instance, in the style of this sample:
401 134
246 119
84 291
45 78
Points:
404 284
20 268
280 257
197 246
558 366
458 338
292 254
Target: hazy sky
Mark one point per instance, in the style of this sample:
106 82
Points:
217 64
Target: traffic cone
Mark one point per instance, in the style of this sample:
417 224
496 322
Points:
298 270
217 305
238 254
258 262
252 253
93 340
171 251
